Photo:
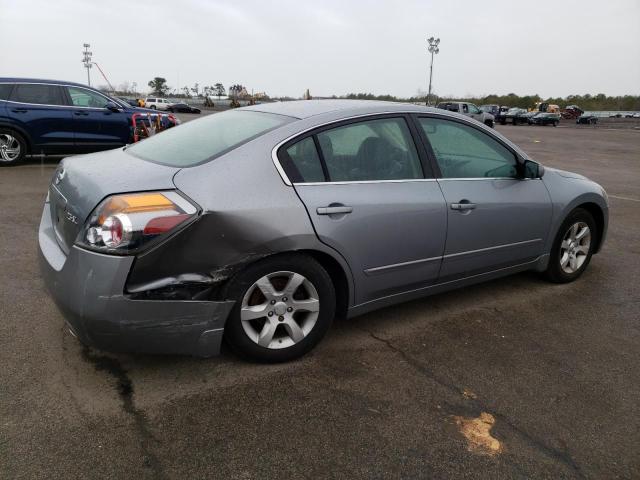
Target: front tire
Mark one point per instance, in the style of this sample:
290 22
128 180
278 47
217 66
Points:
13 148
284 306
573 247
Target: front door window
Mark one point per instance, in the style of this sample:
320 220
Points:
463 151
81 97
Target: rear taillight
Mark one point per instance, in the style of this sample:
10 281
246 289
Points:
125 223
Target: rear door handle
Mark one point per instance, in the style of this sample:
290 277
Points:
463 206
19 110
334 210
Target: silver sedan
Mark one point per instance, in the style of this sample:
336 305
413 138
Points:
261 224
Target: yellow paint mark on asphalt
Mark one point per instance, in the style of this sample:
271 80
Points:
477 431
466 393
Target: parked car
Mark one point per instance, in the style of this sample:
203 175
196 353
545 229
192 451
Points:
470 110
182 108
526 117
497 111
545 118
571 112
587 119
262 224
515 116
54 117
133 102
156 103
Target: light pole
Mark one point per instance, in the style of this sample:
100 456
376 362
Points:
87 61
433 48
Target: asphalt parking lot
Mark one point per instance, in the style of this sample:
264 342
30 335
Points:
516 378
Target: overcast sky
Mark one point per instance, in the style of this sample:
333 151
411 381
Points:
549 47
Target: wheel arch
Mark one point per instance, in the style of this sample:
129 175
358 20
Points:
338 276
598 216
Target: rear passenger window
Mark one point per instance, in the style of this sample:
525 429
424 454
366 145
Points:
37 93
373 150
305 162
5 90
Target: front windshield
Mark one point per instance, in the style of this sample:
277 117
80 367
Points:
202 140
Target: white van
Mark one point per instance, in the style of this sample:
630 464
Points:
157 103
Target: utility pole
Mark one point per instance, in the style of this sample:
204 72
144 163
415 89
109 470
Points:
87 61
433 49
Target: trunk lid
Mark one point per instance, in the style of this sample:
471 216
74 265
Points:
81 182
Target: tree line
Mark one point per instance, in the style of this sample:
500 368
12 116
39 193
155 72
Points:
159 87
586 102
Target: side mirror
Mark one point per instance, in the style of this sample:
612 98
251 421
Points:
112 107
533 169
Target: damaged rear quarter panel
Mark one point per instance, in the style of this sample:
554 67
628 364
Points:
248 213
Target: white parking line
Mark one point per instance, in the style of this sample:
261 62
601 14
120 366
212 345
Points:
624 198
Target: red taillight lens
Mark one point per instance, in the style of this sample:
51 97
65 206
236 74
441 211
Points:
124 223
160 225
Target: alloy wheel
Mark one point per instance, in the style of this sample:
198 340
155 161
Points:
574 248
280 309
9 148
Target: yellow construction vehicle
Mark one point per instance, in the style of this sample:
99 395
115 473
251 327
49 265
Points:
545 107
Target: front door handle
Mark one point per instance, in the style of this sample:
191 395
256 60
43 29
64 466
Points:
19 110
80 113
463 205
334 210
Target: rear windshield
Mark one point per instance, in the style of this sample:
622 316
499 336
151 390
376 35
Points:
201 140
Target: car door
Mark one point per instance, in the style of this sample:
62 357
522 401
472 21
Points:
41 111
365 190
474 112
95 126
496 218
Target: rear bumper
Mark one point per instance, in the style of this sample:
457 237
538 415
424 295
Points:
88 288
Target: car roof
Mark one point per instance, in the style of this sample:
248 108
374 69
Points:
338 108
41 80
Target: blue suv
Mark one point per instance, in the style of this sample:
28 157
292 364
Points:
53 117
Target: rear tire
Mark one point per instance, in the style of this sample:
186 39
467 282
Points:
13 148
573 247
153 107
284 306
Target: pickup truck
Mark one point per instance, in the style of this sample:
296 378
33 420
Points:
470 110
